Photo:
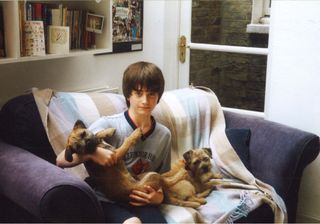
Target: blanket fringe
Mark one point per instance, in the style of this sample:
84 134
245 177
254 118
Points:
243 209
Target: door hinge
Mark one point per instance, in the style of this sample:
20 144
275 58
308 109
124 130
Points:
182 49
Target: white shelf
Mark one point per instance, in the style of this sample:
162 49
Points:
103 41
73 53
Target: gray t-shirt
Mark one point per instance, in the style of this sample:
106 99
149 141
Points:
150 153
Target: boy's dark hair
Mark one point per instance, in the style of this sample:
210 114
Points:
142 74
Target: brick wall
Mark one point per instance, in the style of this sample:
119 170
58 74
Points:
237 79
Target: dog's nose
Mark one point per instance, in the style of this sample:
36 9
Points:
91 145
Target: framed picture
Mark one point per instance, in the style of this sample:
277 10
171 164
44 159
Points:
94 23
127 22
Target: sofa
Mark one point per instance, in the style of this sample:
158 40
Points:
33 189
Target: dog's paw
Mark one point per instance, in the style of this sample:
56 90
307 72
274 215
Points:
217 175
110 132
135 135
105 134
194 204
203 201
185 174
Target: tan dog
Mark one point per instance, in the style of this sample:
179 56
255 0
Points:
115 182
190 180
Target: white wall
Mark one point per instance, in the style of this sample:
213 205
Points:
293 78
160 27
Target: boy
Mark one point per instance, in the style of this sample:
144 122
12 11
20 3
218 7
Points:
143 86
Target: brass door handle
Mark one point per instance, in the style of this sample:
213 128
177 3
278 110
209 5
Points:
182 49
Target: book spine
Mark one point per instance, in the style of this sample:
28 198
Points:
29 11
75 29
56 20
64 16
22 19
37 11
2 37
69 24
46 22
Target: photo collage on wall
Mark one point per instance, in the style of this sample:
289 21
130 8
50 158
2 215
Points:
127 19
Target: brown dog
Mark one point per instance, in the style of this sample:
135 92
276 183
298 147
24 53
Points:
115 182
190 180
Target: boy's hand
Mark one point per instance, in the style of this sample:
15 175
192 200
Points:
149 197
103 157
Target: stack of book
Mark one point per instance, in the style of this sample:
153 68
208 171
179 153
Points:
57 15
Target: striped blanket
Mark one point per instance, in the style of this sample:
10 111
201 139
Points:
195 119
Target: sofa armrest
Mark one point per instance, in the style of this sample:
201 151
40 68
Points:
278 154
44 190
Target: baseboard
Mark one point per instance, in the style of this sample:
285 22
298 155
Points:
307 219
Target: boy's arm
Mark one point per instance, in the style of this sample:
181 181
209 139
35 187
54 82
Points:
63 163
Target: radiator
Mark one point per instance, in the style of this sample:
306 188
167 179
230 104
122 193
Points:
104 89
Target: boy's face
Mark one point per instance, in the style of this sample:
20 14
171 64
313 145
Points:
142 101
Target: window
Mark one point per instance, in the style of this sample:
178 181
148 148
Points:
237 78
260 17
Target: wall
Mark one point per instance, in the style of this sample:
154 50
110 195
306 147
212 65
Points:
95 71
293 79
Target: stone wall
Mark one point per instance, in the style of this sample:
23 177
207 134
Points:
237 79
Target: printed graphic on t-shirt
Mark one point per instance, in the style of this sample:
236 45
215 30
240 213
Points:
131 156
140 166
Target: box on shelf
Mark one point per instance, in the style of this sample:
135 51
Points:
58 40
34 38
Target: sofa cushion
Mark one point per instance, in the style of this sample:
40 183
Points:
240 139
20 125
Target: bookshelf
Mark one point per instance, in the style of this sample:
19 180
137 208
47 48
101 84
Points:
13 39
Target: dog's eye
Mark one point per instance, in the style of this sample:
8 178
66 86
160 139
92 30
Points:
196 162
206 159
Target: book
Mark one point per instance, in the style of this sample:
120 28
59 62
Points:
22 18
56 17
83 24
37 11
58 40
34 38
2 40
76 30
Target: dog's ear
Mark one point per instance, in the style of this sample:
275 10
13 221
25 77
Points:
208 151
187 156
79 124
68 154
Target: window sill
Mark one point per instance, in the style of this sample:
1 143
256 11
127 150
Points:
258 28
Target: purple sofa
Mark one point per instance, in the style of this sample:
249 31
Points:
33 189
